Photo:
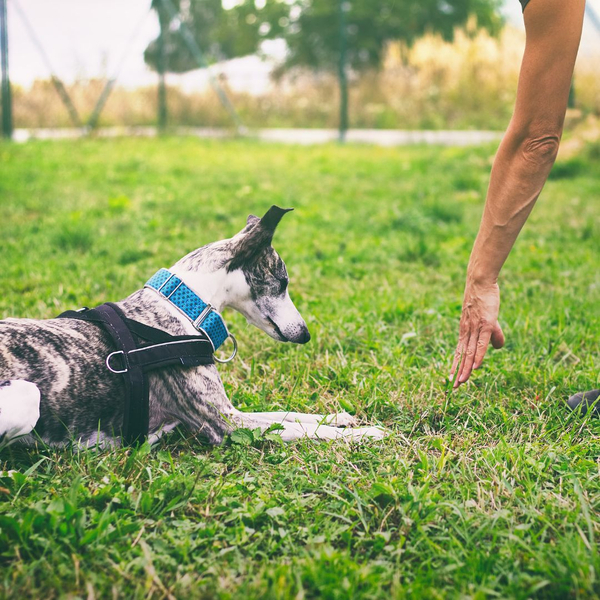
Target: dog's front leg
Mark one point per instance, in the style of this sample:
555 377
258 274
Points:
195 399
298 430
199 401
341 419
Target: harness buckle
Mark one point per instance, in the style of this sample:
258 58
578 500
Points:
108 366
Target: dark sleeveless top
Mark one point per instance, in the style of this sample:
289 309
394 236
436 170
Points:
524 3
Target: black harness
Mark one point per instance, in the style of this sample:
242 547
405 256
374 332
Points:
139 350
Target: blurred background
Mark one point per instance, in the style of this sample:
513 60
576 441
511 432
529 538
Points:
222 66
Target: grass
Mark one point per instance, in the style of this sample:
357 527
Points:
491 491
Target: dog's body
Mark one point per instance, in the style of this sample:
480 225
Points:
56 370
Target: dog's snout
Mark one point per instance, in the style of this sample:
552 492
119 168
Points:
298 334
304 336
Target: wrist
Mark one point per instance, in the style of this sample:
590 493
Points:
481 277
481 280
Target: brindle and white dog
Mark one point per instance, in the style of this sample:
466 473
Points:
55 386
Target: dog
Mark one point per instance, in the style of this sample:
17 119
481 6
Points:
58 386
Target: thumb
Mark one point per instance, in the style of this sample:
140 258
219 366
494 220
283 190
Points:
497 336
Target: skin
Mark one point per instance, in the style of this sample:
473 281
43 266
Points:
520 170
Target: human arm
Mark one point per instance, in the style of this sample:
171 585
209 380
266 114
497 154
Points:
520 169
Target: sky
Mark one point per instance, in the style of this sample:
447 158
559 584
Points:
87 38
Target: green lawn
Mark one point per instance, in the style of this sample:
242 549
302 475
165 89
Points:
491 491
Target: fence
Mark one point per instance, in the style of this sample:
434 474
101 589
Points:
467 84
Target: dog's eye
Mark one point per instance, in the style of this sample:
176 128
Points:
283 283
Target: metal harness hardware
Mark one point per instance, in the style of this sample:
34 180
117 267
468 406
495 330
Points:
140 349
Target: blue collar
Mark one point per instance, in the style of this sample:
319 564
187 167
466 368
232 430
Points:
202 315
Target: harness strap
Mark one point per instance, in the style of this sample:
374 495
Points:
135 361
183 354
141 330
136 413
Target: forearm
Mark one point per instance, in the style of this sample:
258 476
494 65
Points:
530 145
520 170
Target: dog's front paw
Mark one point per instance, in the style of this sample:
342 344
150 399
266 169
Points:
363 433
341 419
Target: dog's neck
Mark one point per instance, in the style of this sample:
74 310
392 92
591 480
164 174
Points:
205 272
215 287
219 288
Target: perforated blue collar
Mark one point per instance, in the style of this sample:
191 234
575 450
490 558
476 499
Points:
202 315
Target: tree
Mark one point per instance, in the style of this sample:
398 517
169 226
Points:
312 32
336 34
329 35
311 28
220 34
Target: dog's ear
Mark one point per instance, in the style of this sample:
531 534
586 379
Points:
251 221
256 236
272 217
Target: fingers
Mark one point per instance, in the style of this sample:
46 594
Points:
468 358
460 355
456 366
478 326
482 346
497 337
469 355
463 338
457 357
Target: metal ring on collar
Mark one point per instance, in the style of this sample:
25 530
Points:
108 362
233 354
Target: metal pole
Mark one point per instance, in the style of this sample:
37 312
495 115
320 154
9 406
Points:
193 47
162 61
110 83
7 122
56 82
343 80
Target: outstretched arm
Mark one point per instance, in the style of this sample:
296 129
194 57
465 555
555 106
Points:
520 170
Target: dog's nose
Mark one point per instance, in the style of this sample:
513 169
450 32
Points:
304 337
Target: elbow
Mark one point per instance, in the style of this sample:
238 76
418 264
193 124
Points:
541 149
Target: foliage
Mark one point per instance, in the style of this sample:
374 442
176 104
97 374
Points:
220 34
311 28
493 491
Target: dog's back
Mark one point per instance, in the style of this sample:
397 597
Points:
61 358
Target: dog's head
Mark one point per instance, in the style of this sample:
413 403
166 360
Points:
252 278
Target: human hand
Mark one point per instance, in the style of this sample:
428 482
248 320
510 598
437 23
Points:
478 325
